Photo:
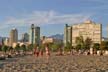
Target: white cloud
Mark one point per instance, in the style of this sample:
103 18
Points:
46 17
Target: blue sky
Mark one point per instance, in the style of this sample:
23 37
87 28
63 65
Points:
50 15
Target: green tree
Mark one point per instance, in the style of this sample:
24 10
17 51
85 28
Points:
5 48
10 48
79 40
23 47
104 45
17 48
96 46
0 47
54 47
88 43
80 45
68 47
30 47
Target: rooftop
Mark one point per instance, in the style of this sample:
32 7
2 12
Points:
88 21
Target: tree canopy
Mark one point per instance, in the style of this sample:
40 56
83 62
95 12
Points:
82 44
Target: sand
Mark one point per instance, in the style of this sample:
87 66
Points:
68 63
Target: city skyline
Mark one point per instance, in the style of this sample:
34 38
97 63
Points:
50 15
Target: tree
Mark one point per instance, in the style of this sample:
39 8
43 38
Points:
30 47
0 47
17 48
96 46
80 45
104 45
68 47
23 47
5 48
88 43
79 40
55 46
10 48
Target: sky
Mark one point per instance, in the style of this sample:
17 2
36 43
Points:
50 15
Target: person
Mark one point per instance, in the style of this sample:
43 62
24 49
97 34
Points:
37 51
41 52
47 54
47 51
60 51
34 51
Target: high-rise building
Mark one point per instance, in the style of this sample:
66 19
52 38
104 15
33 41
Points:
67 34
25 37
13 36
34 37
88 29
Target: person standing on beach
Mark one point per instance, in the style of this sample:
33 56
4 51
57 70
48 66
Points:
37 51
41 52
34 51
47 51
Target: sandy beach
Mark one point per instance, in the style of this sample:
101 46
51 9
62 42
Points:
68 63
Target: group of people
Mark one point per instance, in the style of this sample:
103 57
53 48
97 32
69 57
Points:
38 52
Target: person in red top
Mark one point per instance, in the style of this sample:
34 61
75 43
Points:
37 51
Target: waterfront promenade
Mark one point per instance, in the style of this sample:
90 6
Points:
67 63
